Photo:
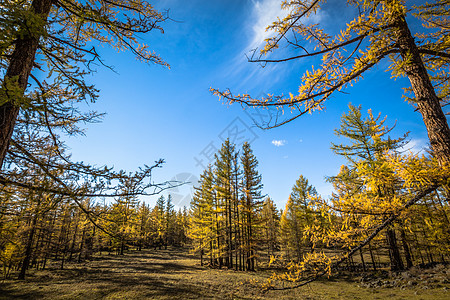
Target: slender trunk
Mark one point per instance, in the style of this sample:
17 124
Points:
201 257
352 264
74 238
19 69
49 241
250 233
396 260
39 247
230 234
426 99
28 249
227 242
218 233
83 238
268 238
238 238
64 252
122 245
362 260
250 262
141 232
418 247
236 253
409 262
427 248
210 253
372 258
93 248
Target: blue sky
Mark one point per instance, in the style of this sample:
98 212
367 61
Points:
153 112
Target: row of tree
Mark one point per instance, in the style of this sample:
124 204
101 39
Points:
38 228
230 225
224 209
47 201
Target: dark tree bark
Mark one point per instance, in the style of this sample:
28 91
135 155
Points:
83 238
74 238
30 239
394 253
426 99
372 258
19 70
408 257
362 260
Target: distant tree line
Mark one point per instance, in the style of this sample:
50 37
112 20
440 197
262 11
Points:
37 228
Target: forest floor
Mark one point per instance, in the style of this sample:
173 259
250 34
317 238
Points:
175 274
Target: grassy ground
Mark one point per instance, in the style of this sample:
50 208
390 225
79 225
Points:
174 274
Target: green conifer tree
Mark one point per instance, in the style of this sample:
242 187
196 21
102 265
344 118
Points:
251 185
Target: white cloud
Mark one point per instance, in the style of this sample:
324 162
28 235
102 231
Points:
265 12
279 143
416 146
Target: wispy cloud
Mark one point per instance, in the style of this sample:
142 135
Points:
416 146
279 143
265 12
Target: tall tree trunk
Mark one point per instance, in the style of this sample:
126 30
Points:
418 246
396 260
227 240
362 260
426 99
83 238
93 249
122 245
230 232
408 258
372 258
39 247
49 241
18 72
28 249
236 253
211 260
74 238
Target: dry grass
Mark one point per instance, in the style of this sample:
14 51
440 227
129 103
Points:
174 274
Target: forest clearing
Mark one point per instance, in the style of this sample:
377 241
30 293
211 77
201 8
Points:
176 274
353 202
